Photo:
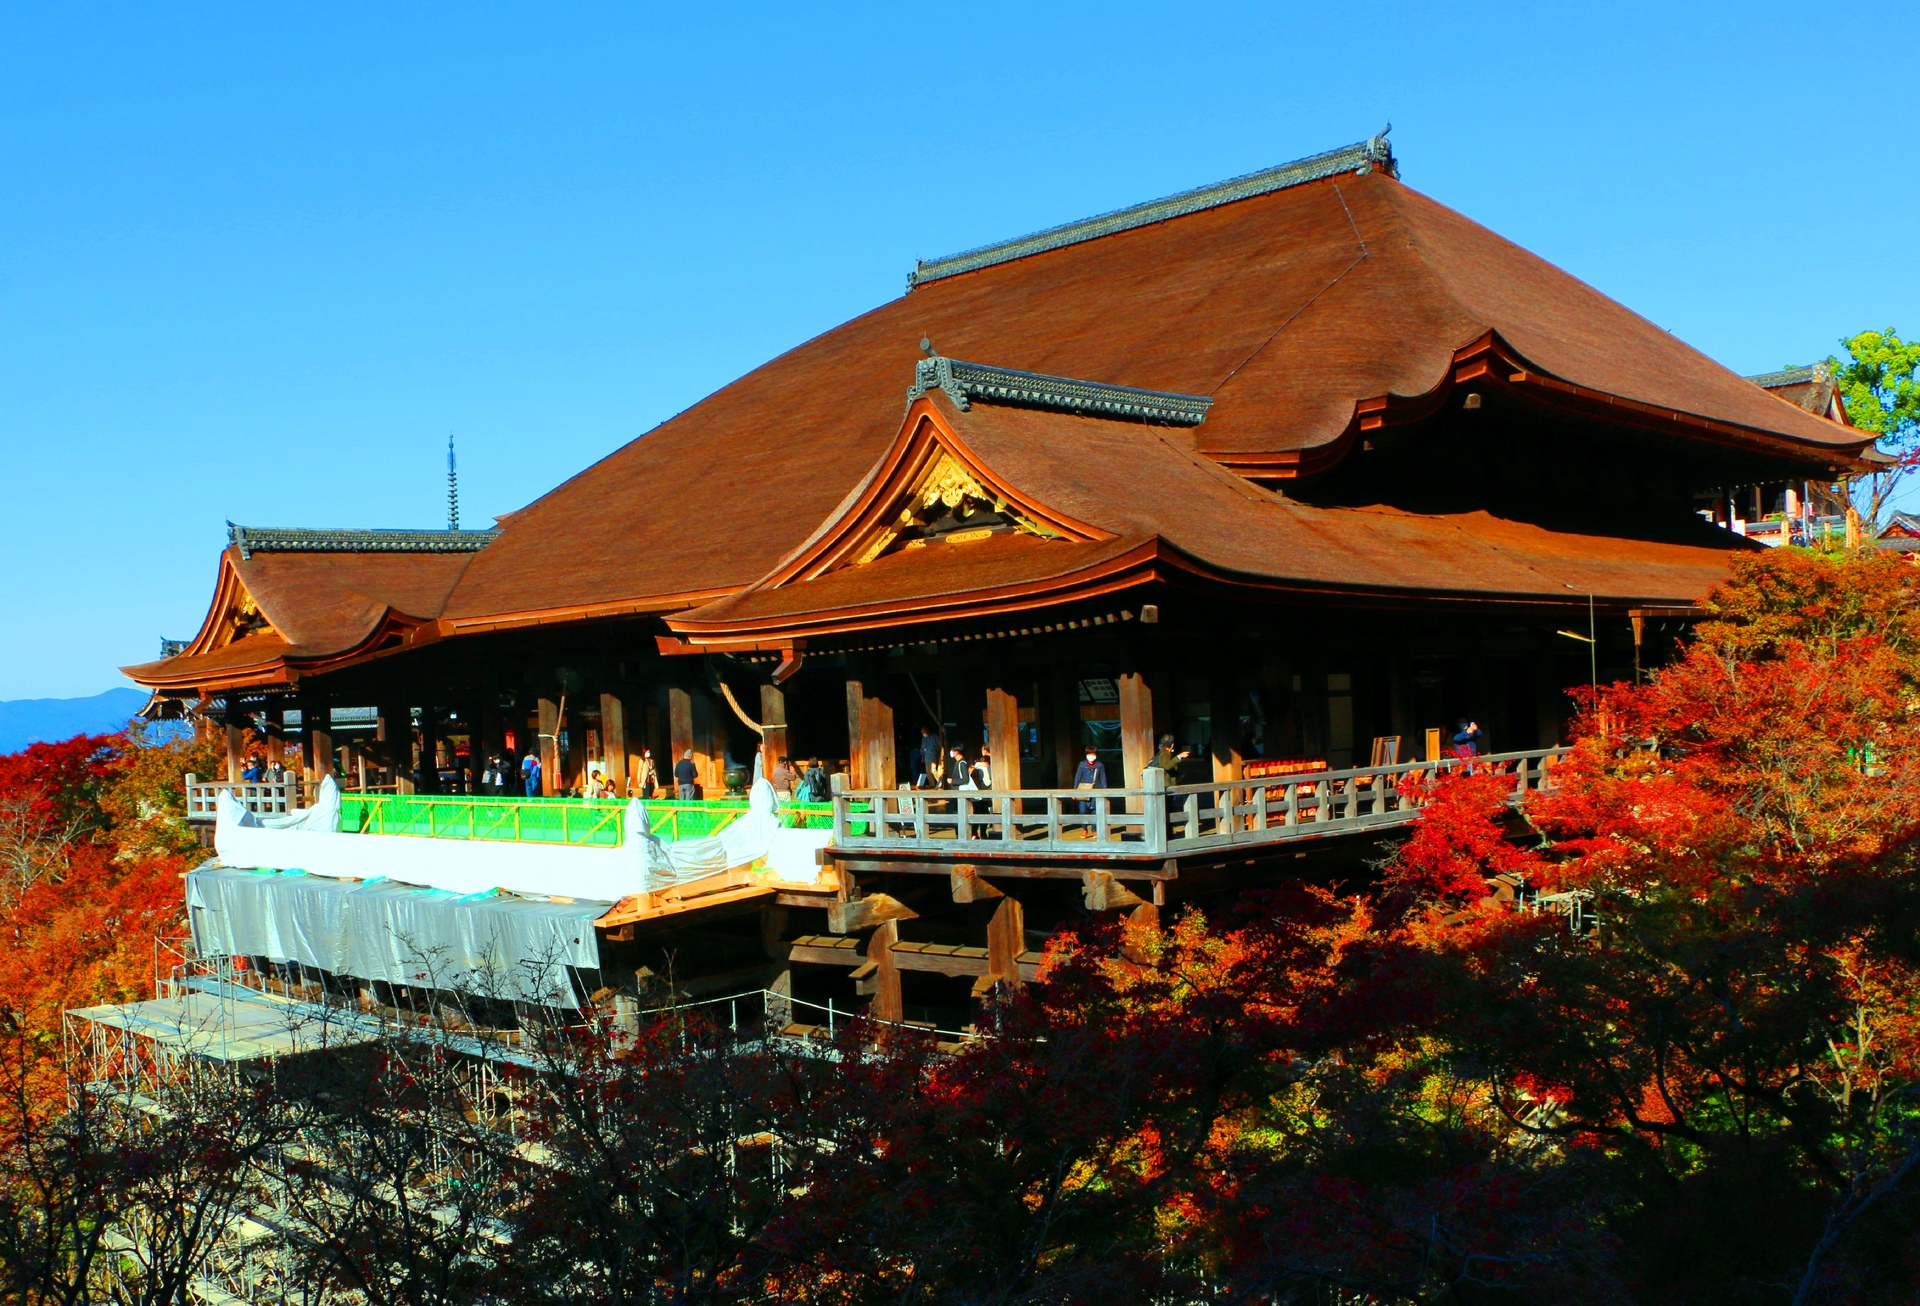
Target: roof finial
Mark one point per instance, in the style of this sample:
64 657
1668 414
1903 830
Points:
926 347
453 489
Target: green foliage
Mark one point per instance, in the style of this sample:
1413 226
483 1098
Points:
1879 380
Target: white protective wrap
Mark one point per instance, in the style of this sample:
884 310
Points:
641 864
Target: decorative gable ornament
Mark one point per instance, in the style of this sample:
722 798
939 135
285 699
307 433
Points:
964 383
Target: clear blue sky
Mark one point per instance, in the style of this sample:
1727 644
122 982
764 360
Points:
257 261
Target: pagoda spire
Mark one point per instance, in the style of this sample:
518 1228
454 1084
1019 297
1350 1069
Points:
453 489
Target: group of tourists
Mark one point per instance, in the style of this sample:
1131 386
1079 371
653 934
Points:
949 767
260 771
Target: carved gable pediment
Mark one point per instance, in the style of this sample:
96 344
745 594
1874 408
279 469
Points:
948 506
928 491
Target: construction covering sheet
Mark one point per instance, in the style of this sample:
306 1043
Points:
493 945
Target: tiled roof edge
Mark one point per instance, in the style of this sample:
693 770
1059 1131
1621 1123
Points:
965 382
1360 158
288 539
1792 376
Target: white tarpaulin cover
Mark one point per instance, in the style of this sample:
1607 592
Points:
643 863
491 944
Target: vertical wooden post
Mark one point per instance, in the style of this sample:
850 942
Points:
1223 714
316 736
613 740
679 731
276 729
856 735
888 1003
773 728
393 728
876 730
549 746
429 751
236 736
1003 737
1006 940
709 745
1136 729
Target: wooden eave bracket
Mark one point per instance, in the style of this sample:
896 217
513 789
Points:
864 913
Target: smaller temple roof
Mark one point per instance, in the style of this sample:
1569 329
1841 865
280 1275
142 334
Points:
1810 388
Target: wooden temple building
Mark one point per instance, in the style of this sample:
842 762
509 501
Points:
1287 467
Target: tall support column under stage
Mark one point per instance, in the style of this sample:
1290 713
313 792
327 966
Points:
773 727
549 746
888 1003
1003 737
236 736
613 740
869 739
316 736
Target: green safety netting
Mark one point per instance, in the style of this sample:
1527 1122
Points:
550 820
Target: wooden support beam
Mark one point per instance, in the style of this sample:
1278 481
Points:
773 728
429 780
613 740
888 1004
969 887
856 737
1003 737
861 913
1101 892
1006 940
679 731
876 740
276 729
1223 713
549 746
316 737
236 735
393 733
1136 730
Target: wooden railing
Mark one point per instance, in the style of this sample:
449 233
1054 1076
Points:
1158 819
266 798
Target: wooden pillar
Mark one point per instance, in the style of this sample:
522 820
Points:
236 736
493 730
1006 940
1136 729
393 731
856 735
1003 737
316 736
1223 714
709 744
613 739
429 751
679 730
876 735
549 746
888 1003
276 715
1063 710
773 728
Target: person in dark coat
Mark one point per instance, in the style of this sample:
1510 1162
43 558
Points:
687 776
1469 741
1090 774
926 761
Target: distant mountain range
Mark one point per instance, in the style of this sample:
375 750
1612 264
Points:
26 721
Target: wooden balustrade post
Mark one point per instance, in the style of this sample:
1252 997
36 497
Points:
1154 810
